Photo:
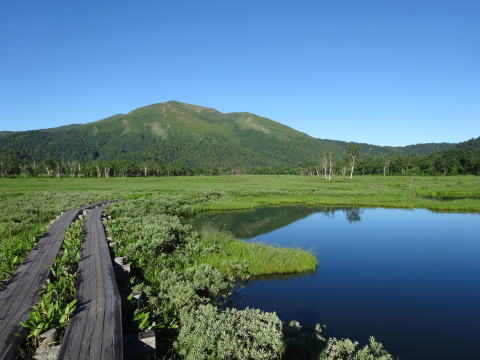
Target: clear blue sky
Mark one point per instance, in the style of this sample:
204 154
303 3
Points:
377 71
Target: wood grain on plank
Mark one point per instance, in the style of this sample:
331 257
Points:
95 330
22 290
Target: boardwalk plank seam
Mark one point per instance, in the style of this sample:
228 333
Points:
95 330
22 290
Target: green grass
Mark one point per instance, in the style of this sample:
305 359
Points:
248 191
25 215
261 259
28 204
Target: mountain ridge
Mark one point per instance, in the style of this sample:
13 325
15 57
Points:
175 132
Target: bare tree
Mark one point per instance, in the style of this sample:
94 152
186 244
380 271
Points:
330 171
386 167
325 166
353 152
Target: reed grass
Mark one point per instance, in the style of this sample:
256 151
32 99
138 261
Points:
261 259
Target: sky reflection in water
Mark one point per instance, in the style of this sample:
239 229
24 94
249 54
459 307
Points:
408 277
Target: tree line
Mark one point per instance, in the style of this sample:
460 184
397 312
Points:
460 160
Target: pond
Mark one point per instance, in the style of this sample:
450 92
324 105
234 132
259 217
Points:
411 278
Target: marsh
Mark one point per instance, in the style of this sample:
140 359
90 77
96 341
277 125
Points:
407 277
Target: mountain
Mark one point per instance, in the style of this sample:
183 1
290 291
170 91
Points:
175 132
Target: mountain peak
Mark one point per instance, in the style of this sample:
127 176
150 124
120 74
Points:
190 106
180 133
174 105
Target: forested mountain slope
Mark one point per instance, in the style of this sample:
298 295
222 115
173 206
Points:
470 145
174 132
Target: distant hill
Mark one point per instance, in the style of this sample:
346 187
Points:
174 132
469 145
424 149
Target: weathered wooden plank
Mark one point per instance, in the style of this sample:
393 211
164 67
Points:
95 330
22 290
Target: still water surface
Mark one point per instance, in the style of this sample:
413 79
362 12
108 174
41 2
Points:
411 278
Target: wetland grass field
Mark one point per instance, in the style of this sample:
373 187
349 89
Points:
184 271
29 204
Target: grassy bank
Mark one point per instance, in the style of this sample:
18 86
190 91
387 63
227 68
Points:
260 259
28 204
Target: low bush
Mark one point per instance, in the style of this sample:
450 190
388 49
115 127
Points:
346 349
209 333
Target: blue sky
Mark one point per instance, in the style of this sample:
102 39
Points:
377 71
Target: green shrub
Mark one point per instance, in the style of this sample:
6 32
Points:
346 349
207 281
164 235
303 343
209 333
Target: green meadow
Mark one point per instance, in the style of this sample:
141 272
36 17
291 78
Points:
247 191
29 204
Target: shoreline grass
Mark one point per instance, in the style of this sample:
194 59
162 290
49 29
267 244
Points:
261 259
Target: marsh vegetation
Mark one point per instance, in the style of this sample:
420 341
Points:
181 270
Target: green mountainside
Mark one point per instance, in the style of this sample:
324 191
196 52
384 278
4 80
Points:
470 145
174 132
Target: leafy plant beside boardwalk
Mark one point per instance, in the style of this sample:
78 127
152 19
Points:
57 302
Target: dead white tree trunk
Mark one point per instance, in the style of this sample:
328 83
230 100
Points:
352 167
330 172
325 167
386 167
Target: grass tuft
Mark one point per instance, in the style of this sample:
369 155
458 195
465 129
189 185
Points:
223 249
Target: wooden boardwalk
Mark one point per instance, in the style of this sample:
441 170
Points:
22 290
95 330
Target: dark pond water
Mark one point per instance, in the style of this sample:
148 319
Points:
411 278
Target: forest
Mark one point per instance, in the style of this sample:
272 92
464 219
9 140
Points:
462 159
